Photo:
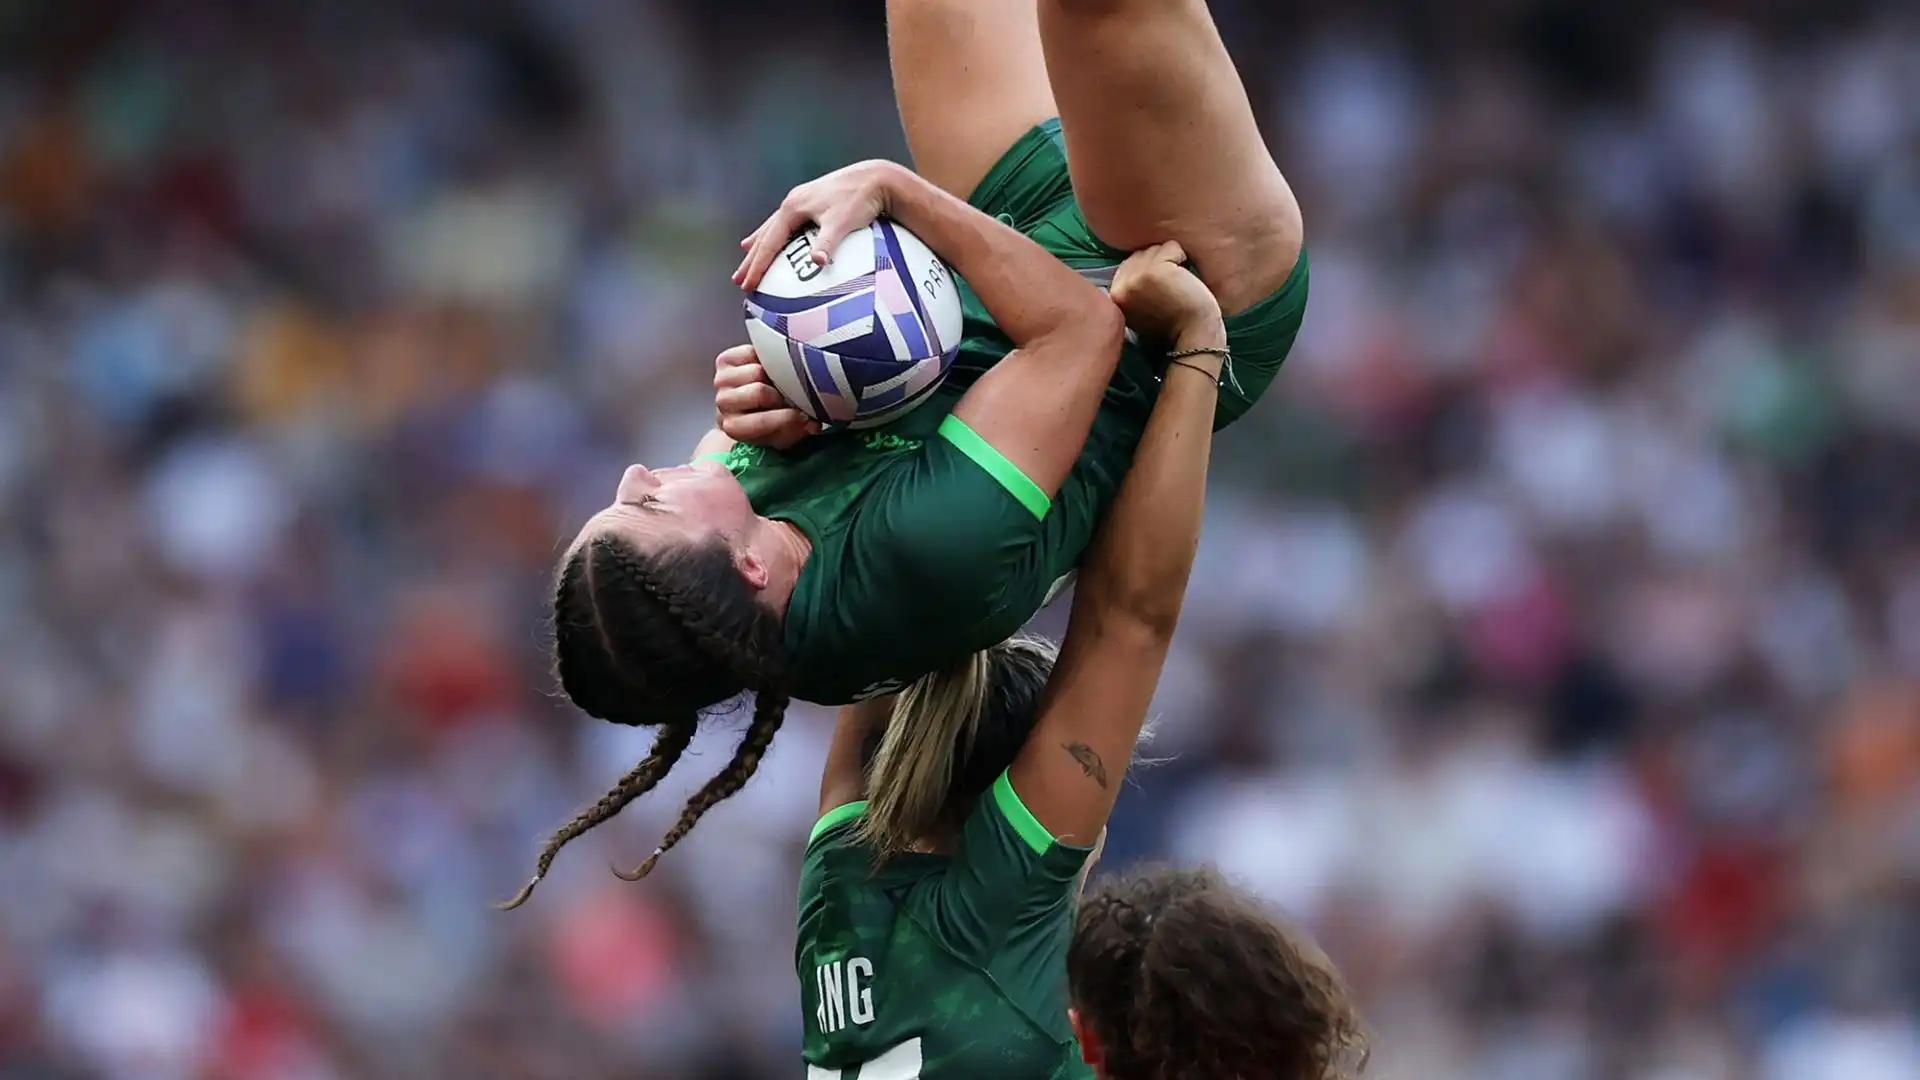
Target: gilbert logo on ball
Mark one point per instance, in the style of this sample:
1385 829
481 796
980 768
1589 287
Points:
864 339
799 255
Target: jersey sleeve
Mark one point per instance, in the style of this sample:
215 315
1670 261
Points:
834 825
831 855
832 906
1007 872
956 529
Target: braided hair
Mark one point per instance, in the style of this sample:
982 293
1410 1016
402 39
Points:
1182 977
649 639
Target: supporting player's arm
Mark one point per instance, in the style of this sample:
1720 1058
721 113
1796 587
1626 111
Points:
1036 406
1135 575
844 779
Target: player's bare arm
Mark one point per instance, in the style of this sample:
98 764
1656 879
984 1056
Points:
844 779
1135 575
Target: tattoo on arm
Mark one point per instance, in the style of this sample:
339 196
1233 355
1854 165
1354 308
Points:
1090 762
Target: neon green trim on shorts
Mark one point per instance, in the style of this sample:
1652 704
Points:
968 441
1021 818
834 817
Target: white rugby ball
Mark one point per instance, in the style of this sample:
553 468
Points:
864 339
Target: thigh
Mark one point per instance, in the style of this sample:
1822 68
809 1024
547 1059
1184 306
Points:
1163 142
970 80
1030 188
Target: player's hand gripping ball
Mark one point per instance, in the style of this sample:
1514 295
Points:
853 319
749 409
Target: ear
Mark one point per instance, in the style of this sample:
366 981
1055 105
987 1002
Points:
1090 1049
751 568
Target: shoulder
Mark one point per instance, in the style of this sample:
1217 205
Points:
835 872
834 832
1004 834
836 825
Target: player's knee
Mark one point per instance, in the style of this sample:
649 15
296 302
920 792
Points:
1253 274
1250 260
1243 257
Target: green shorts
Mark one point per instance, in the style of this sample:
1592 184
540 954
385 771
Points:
1029 189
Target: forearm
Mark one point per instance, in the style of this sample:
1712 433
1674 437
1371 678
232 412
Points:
713 442
1030 293
844 778
1139 564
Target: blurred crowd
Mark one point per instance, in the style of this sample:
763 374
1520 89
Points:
1554 653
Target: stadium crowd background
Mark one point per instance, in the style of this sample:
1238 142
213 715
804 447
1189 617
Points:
1554 655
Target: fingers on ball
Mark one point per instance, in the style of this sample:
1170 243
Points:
730 378
752 398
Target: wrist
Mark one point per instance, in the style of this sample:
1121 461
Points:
898 186
1210 333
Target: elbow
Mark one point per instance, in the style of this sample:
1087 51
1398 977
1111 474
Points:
1093 324
1146 615
1106 326
1155 620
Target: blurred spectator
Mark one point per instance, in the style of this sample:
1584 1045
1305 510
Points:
1554 653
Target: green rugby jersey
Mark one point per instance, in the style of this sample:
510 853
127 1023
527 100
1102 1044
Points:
928 544
939 967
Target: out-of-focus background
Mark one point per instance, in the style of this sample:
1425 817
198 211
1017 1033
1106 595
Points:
1555 654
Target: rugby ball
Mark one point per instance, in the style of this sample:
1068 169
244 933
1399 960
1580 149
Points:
864 339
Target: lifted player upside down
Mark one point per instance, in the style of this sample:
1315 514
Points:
839 567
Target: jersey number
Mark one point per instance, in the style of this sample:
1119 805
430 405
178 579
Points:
900 1063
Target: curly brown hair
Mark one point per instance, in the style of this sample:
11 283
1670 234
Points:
649 639
1179 976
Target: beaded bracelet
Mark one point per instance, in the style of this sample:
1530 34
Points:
1226 363
1225 354
1179 356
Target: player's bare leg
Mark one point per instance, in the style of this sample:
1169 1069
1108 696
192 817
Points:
970 80
1161 140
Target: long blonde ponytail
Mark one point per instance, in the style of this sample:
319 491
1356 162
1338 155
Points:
931 736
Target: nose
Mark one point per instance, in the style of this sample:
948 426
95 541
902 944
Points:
637 481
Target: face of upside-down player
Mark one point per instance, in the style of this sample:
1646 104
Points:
691 524
701 505
718 630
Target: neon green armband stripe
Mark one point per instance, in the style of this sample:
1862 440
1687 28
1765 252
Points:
1018 484
1021 818
834 817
